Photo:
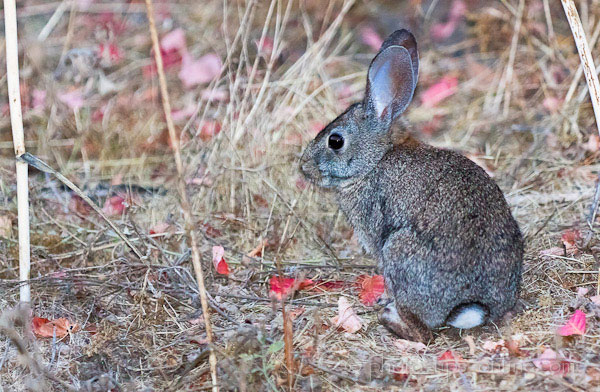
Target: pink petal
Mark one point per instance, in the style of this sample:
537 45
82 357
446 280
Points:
73 99
160 228
443 31
109 53
552 104
183 114
549 361
208 129
582 291
219 261
200 71
439 91
408 345
492 346
267 46
83 5
554 251
347 318
214 95
38 99
114 205
174 40
575 325
546 360
217 254
458 9
593 143
370 38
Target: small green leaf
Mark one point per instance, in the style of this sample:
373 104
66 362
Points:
275 346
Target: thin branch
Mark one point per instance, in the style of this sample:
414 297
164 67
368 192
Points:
587 63
43 167
185 205
16 118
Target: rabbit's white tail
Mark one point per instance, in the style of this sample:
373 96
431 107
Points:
467 316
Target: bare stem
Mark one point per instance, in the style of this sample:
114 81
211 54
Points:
16 118
185 205
587 63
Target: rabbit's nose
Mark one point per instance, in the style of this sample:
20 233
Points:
304 167
303 163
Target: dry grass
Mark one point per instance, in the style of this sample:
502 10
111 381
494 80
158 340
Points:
140 319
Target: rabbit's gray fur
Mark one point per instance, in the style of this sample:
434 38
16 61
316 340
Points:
439 226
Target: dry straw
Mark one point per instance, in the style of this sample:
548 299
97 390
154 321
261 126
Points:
16 118
185 205
587 63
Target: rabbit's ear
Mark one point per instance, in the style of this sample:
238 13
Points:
406 39
392 77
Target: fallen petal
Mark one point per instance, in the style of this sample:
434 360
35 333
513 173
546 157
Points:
575 325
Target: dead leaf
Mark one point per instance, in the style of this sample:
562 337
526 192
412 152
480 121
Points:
258 249
294 313
401 373
451 361
159 228
407 345
582 291
371 288
208 129
44 328
492 346
329 285
219 262
114 206
575 326
471 343
554 251
211 231
512 345
549 361
281 287
346 318
569 238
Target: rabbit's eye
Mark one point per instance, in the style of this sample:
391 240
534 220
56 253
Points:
336 141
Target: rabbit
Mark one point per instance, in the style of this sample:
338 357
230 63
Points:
449 249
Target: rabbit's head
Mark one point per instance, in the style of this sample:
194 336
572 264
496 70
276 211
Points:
352 144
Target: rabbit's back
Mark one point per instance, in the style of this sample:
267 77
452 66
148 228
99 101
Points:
454 238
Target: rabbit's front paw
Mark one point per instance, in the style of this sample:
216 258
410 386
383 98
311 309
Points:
404 324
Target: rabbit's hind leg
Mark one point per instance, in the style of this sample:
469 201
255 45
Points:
404 324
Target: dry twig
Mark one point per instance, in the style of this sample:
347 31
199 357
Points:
587 63
16 118
185 205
